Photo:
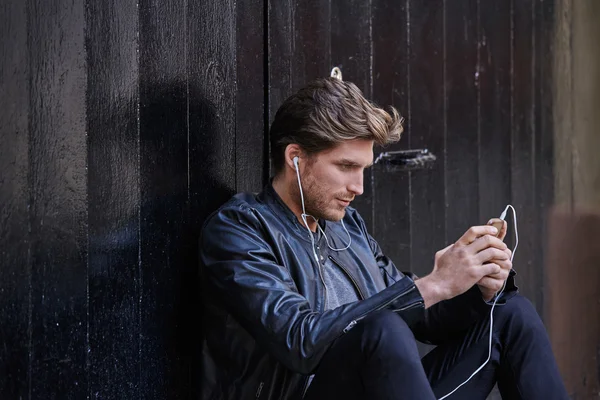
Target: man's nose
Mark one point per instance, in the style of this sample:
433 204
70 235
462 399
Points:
356 187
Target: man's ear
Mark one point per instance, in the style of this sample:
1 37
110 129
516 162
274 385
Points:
292 151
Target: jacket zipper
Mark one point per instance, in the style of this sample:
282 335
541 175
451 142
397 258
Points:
360 293
322 279
259 390
305 387
410 289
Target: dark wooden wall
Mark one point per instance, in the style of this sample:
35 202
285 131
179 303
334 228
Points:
472 80
124 123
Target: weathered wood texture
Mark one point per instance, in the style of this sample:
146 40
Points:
124 124
572 278
469 80
127 123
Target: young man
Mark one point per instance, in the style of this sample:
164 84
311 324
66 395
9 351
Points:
302 303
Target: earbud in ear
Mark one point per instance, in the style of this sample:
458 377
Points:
295 159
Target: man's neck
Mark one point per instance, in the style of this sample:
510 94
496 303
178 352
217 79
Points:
281 185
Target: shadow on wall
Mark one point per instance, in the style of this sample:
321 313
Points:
181 141
178 146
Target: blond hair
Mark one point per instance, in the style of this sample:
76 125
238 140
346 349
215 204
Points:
326 112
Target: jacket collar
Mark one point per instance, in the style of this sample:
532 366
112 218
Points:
270 197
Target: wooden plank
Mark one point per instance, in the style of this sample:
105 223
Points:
462 148
298 47
351 51
310 42
544 129
250 96
212 88
494 109
523 155
58 204
572 308
585 101
279 55
165 341
113 200
14 197
562 111
212 66
391 190
426 127
302 32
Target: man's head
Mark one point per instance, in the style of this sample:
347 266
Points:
331 128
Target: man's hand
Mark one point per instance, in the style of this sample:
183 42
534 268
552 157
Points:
476 256
492 284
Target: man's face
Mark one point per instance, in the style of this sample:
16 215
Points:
332 178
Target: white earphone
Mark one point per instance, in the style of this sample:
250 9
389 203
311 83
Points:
295 160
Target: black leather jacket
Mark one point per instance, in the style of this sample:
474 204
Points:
265 325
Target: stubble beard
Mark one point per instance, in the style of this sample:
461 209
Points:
318 202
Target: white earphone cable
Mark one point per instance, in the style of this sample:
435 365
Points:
502 217
305 215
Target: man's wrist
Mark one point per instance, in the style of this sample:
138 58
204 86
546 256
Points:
430 290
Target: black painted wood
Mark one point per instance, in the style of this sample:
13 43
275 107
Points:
165 356
494 112
299 43
544 138
523 154
212 121
278 33
58 200
351 51
391 190
127 124
426 130
461 99
298 48
250 93
113 195
15 265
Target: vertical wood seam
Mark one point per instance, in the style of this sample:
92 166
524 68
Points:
478 84
266 100
409 123
30 200
87 203
445 120
139 210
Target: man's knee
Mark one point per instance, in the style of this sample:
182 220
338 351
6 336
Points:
521 317
387 338
388 327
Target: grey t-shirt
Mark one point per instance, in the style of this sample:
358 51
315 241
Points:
340 289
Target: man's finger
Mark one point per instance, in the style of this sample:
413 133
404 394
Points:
488 269
506 265
476 231
486 241
491 283
500 276
490 254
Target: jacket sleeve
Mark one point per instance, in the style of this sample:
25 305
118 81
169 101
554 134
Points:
447 319
241 269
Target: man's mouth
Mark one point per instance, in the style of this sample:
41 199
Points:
345 203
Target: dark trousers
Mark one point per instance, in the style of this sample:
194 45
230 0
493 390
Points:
378 359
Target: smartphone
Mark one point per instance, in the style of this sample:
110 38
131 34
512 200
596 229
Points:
498 225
